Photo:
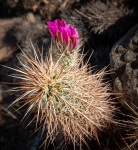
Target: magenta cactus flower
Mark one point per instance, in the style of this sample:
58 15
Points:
67 35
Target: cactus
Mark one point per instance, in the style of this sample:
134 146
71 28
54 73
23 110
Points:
101 16
64 95
65 98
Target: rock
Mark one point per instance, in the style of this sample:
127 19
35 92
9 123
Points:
46 9
124 63
21 33
7 39
31 29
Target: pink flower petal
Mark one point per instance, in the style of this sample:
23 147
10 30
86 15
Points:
57 22
73 31
60 37
75 41
63 23
49 23
63 33
53 30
